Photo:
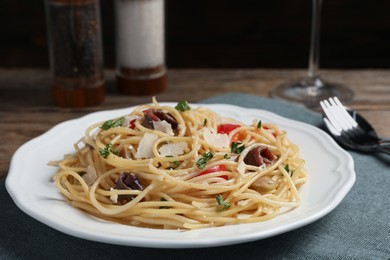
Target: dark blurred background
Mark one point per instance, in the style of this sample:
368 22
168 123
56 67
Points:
226 33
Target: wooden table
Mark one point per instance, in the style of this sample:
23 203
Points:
27 110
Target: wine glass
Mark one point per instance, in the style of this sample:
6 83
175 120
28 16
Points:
312 89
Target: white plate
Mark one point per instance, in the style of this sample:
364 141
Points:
331 176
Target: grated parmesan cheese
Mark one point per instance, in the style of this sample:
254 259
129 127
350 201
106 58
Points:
114 197
173 149
164 127
90 176
242 202
243 216
215 139
241 168
145 148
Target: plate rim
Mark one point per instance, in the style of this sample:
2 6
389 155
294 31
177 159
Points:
158 243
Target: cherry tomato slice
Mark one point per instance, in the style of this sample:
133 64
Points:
132 124
238 137
226 128
267 128
217 168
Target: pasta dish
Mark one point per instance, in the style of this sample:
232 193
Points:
181 168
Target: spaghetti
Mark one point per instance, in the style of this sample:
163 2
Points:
181 168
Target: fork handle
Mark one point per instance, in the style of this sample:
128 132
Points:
384 146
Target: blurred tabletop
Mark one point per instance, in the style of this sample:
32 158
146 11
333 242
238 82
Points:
27 109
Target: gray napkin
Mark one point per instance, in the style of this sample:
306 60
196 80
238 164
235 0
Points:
359 228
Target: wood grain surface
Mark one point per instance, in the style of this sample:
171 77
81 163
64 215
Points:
27 110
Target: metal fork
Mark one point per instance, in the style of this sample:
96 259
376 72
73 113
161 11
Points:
352 132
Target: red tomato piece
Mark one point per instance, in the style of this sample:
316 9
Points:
226 128
217 168
238 137
132 124
267 128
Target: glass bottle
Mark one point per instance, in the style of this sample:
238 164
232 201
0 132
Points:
140 57
310 90
75 52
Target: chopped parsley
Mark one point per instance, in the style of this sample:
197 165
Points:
176 163
287 168
105 152
223 204
226 156
237 148
204 121
182 106
259 124
201 163
112 123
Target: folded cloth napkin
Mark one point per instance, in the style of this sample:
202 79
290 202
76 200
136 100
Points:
359 228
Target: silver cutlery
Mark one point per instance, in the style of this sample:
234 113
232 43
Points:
350 129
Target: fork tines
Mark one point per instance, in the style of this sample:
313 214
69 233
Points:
337 117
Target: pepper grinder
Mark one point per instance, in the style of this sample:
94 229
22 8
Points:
75 52
140 57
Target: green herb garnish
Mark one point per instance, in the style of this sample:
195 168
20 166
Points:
107 150
224 205
226 156
111 123
176 163
287 168
204 121
182 106
237 148
259 124
201 163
